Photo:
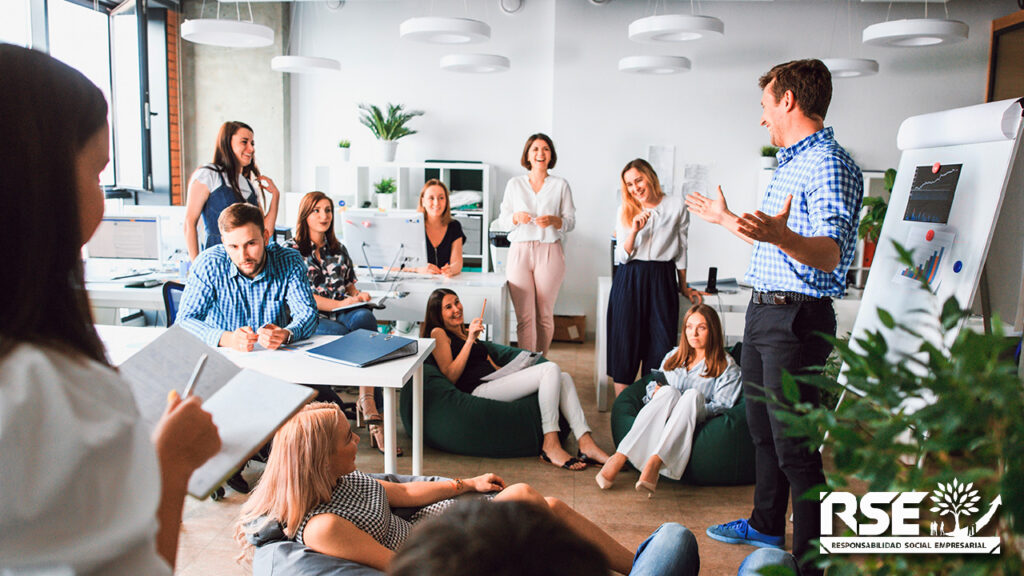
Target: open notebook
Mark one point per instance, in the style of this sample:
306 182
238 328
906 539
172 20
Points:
247 406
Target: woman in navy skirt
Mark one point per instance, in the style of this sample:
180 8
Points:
643 308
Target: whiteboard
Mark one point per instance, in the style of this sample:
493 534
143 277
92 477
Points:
985 163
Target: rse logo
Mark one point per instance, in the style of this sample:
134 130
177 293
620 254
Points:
876 507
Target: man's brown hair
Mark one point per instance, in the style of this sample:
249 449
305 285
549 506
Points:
810 82
238 215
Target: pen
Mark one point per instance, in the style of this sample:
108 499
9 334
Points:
195 376
482 310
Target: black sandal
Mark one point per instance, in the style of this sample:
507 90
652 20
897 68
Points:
587 459
568 465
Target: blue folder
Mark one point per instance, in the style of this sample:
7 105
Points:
365 347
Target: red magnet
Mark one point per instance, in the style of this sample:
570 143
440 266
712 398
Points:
929 235
366 224
935 168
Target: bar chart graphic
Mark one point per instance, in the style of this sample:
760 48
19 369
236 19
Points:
930 258
931 194
926 270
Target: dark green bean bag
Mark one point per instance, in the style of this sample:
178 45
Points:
723 454
461 423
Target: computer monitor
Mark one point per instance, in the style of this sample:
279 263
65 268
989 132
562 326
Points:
135 237
385 240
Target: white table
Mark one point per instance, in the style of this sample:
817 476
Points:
293 365
472 288
732 309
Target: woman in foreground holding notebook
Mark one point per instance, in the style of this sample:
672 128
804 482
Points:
333 279
84 489
465 362
311 486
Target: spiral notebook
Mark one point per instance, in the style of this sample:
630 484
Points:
364 348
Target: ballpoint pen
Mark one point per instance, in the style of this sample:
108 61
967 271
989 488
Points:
195 376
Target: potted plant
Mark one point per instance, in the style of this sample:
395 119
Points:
387 128
874 215
385 189
344 147
768 159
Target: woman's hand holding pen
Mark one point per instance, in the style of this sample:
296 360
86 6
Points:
185 437
521 218
474 330
549 220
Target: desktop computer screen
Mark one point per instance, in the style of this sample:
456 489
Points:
136 237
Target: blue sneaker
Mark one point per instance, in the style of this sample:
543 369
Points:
740 532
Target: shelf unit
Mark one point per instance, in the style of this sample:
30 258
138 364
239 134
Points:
353 184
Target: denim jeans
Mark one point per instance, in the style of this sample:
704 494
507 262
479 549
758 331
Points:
346 322
670 551
767 557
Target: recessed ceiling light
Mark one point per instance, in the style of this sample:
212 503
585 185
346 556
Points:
654 64
439 30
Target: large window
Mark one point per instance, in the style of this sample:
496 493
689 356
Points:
14 22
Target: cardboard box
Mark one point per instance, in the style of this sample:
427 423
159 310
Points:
570 328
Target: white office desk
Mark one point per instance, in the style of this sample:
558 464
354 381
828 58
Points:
293 365
732 309
472 288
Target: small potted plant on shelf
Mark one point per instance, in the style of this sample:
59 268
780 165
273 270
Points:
873 217
385 189
387 128
344 148
768 159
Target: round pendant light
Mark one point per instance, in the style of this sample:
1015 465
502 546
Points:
228 33
445 30
850 67
917 32
475 63
654 64
674 28
304 64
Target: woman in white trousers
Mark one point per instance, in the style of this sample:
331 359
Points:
702 381
538 209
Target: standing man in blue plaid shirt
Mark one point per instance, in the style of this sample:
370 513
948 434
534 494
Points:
804 237
237 291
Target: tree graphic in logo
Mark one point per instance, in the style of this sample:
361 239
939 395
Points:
955 498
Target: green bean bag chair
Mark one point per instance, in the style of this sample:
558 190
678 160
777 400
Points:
723 454
461 423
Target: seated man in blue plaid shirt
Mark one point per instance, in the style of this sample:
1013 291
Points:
237 292
804 237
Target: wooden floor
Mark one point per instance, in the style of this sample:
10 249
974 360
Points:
207 547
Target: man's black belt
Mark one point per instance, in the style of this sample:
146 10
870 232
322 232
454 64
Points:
777 298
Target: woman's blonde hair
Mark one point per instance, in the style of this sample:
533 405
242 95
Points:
447 216
631 206
298 476
715 361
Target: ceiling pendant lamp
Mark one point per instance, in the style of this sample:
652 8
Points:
475 63
228 33
654 64
438 30
674 28
302 64
916 32
851 67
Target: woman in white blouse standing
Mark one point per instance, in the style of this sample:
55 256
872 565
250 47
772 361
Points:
539 209
643 307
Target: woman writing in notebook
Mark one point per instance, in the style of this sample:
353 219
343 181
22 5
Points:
464 361
444 234
87 487
311 486
232 177
643 306
701 381
333 279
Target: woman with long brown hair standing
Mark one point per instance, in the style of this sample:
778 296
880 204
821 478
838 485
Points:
232 177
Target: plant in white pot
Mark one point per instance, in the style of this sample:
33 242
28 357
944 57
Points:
768 159
385 189
388 128
344 148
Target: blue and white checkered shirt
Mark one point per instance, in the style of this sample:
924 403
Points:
827 187
218 298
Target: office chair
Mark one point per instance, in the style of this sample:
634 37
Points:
172 297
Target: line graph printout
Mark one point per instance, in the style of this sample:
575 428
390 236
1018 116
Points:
931 194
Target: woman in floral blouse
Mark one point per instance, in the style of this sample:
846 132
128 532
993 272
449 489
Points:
333 279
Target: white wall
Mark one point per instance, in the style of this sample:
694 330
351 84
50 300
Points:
564 81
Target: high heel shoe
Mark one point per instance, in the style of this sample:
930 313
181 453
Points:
649 487
602 482
364 415
377 438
